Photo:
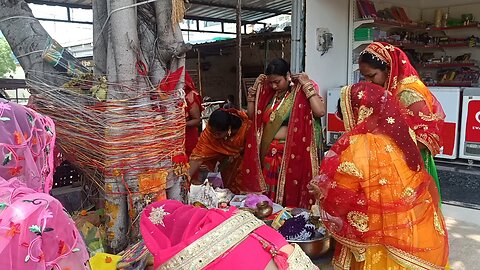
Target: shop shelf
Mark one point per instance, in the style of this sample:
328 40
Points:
446 65
452 84
453 27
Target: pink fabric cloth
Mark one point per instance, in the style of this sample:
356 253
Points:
184 224
26 146
35 231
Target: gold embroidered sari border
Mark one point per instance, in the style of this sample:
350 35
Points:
213 244
298 260
347 112
401 257
409 261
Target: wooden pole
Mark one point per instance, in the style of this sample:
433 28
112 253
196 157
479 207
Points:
239 52
199 72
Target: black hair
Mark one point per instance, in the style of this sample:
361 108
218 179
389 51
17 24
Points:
339 110
221 120
231 98
371 60
277 66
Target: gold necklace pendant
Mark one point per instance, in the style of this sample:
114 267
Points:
272 116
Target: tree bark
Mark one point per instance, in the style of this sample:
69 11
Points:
116 51
100 37
148 41
28 39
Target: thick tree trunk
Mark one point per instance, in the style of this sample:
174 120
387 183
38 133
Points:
100 37
123 23
116 51
147 27
172 49
125 44
28 39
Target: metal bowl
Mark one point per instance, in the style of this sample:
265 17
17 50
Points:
314 248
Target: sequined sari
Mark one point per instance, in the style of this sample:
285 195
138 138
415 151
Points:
378 201
300 159
425 113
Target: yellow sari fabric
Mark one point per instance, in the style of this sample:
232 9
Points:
424 112
377 199
387 179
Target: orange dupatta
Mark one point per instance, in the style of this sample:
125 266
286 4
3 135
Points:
378 201
425 112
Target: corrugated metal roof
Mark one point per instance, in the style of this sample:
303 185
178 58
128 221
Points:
210 10
225 10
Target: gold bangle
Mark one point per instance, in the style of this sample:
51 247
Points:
310 91
311 94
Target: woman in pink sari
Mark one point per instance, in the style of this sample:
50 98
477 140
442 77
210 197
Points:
35 231
187 237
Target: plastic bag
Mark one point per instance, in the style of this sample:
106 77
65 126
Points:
204 194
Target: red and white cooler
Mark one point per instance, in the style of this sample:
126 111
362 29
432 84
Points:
449 98
470 134
335 127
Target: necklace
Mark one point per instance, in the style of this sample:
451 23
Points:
275 106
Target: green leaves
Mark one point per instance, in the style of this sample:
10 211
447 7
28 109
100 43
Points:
7 60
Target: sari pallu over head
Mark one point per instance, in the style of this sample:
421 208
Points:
376 192
425 112
300 158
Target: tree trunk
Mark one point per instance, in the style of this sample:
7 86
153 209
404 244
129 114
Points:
117 48
28 39
100 37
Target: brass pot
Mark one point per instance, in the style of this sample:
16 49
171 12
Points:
263 210
314 248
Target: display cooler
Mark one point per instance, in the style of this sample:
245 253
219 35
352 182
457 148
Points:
470 133
335 126
449 98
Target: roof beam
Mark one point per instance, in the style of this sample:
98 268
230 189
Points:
216 20
49 3
211 4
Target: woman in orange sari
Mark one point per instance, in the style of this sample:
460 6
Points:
281 155
377 199
388 66
222 141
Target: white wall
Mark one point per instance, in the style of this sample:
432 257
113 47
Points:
329 70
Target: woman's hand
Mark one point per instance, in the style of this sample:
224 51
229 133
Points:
300 78
260 80
314 189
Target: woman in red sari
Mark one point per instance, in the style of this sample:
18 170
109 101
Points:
388 66
193 111
377 199
281 153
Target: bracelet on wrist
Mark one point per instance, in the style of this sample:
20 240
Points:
311 94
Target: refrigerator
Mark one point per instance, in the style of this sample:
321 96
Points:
450 99
470 132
